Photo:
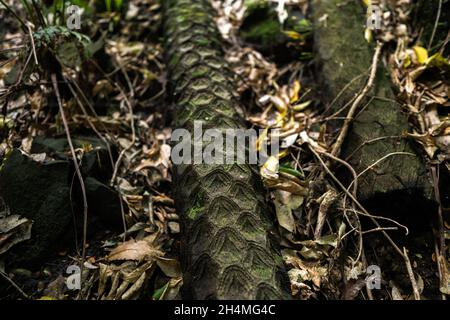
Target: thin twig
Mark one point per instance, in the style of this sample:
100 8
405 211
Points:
349 167
438 261
11 281
379 229
77 169
447 39
343 133
22 71
375 163
379 218
122 153
437 197
354 191
340 93
440 247
354 198
89 104
32 44
411 275
369 142
24 26
131 115
438 16
403 253
83 109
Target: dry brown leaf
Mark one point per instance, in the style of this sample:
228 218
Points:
135 250
285 203
160 160
13 229
170 267
395 293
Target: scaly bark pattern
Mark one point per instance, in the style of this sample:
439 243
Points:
227 251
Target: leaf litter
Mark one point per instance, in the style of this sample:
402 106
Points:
317 235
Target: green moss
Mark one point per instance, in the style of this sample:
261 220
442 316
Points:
199 72
302 26
202 42
174 60
278 259
265 32
255 4
263 272
202 99
6 156
193 212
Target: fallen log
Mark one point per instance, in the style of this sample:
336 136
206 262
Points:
226 247
374 145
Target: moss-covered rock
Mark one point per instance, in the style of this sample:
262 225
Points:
41 193
96 161
104 203
48 193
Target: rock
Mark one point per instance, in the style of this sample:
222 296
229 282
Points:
103 202
39 192
95 163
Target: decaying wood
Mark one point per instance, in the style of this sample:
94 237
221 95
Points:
344 61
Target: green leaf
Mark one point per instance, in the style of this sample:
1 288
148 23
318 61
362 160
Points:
118 4
291 171
437 60
108 5
159 292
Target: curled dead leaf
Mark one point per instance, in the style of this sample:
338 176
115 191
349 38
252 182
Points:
285 203
13 229
135 250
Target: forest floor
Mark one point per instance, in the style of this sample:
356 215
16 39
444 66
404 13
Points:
90 105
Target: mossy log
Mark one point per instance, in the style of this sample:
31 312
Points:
226 248
343 60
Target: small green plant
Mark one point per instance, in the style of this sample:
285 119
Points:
48 35
51 37
113 4
44 13
116 6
